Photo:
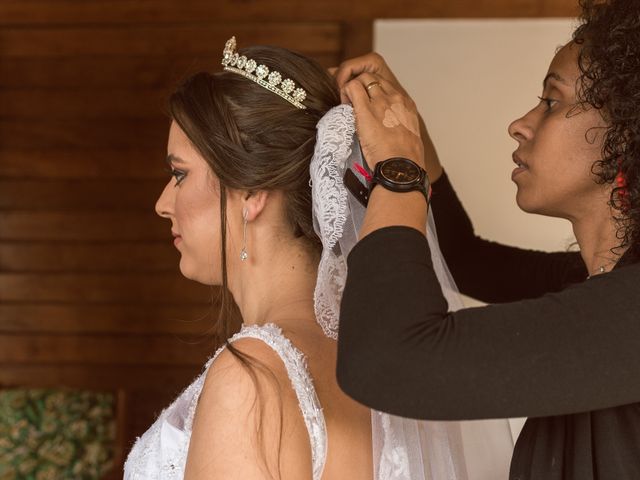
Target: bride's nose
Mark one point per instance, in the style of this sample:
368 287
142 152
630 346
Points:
164 204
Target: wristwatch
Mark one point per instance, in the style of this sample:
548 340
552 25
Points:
401 175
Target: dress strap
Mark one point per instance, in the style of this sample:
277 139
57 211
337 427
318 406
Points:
301 381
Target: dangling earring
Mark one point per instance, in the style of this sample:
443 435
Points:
243 253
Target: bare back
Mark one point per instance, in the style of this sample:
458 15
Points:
308 428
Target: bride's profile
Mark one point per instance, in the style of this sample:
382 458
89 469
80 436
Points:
257 206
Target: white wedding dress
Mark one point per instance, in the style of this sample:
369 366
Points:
161 453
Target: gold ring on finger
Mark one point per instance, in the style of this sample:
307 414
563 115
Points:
372 84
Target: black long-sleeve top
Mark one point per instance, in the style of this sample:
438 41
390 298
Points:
559 349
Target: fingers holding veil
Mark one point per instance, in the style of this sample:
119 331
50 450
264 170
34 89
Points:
375 85
387 120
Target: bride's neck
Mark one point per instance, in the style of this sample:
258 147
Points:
276 284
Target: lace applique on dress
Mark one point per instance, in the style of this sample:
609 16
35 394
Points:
161 453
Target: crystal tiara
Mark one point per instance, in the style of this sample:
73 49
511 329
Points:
272 81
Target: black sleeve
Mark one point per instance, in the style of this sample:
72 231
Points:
492 272
400 351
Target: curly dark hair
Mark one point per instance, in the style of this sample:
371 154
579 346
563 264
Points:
609 62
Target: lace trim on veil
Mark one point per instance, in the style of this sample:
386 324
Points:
336 132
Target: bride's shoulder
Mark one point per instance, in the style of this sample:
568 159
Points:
242 367
243 402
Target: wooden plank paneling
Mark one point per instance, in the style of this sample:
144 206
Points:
89 226
558 8
79 72
129 377
114 350
357 39
108 319
169 40
85 194
137 288
38 134
85 163
109 11
61 257
89 103
119 71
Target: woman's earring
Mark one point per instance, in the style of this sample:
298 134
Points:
243 253
621 185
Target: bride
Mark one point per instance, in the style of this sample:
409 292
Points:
241 146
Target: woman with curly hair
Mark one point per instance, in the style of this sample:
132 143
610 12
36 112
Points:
561 342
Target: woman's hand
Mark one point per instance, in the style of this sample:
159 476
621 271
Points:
388 126
375 66
386 120
372 63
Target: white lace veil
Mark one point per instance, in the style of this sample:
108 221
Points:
403 449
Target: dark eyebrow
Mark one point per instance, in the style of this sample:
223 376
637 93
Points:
555 76
173 159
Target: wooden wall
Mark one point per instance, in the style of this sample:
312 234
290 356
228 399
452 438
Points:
90 293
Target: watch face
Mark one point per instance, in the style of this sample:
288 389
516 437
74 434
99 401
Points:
400 171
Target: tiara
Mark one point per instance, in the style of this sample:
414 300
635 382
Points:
272 81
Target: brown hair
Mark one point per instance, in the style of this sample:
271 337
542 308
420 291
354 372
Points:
255 140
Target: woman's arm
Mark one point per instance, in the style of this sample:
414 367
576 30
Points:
400 351
490 271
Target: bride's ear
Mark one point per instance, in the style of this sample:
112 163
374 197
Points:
253 203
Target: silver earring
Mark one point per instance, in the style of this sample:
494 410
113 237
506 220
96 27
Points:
243 253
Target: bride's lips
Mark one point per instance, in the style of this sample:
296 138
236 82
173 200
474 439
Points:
177 238
520 166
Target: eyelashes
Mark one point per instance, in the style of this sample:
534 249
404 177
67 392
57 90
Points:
179 175
549 102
